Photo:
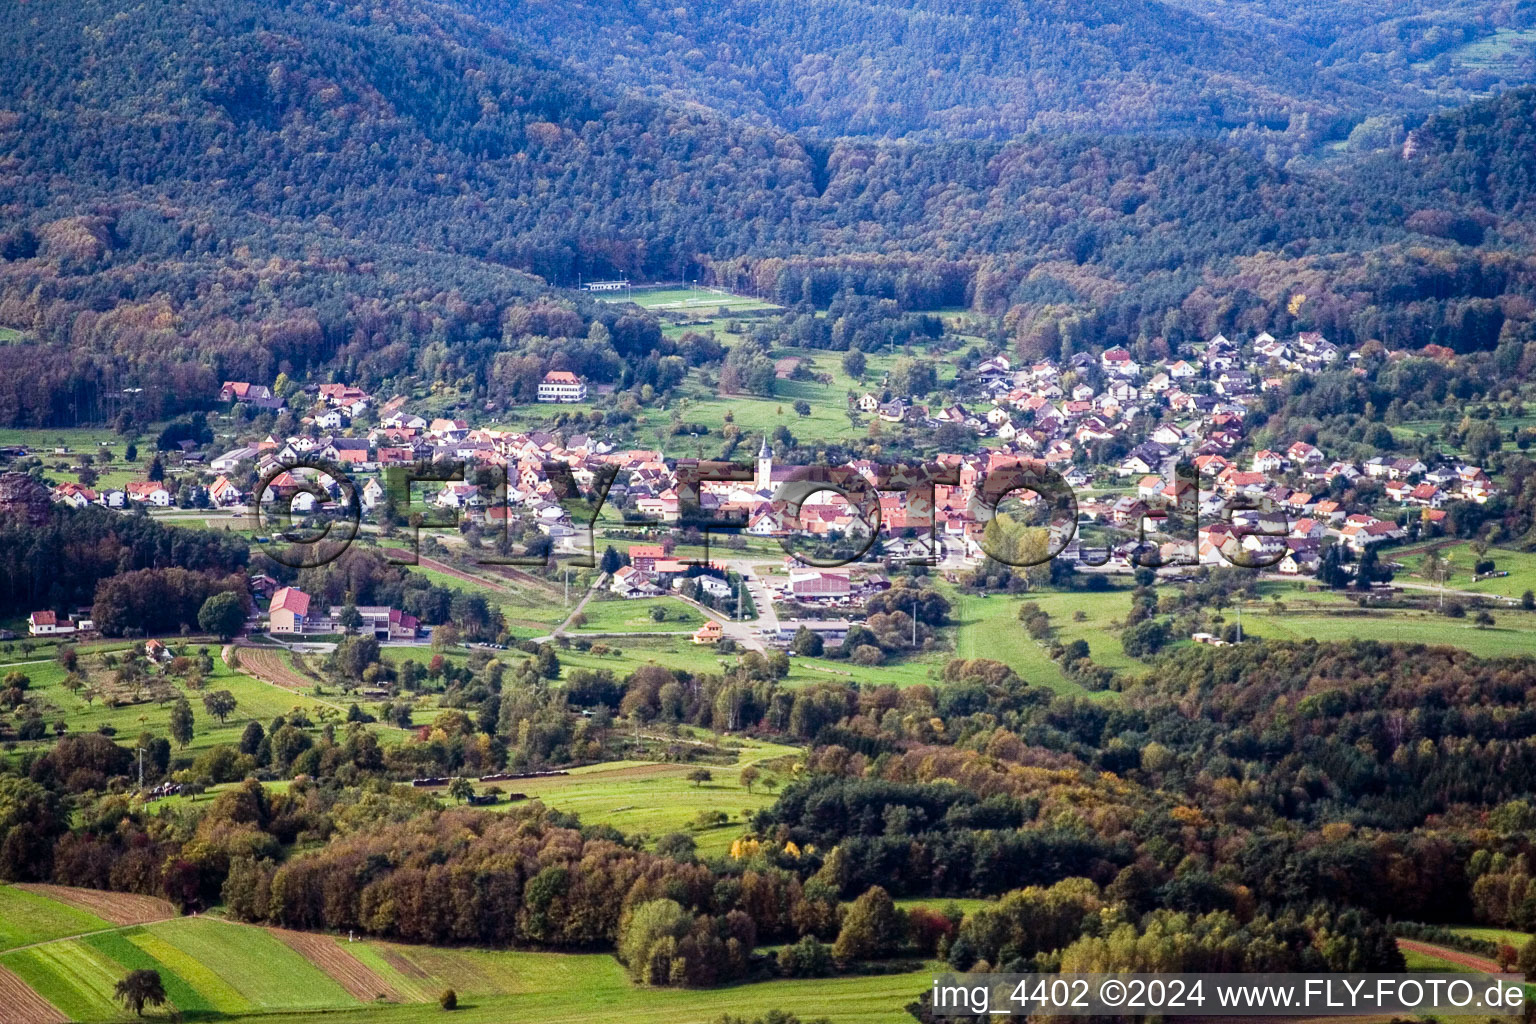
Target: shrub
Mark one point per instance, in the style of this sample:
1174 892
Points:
449 1000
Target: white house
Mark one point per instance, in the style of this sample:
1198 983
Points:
48 624
562 386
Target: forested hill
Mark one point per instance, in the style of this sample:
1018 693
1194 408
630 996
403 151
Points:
387 121
1480 156
359 189
984 69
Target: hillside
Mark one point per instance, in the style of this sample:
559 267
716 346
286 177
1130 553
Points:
366 189
990 71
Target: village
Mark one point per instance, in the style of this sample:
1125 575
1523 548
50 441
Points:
1189 489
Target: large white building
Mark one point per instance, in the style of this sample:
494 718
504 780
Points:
562 386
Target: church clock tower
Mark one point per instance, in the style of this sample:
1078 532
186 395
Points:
764 479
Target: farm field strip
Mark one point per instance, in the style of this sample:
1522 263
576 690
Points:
121 949
72 976
218 993
28 917
287 980
19 1004
325 952
1459 960
119 908
270 665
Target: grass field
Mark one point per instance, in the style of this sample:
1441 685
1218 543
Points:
1521 566
1497 53
1423 962
990 628
1406 627
1514 938
650 799
695 298
966 905
527 611
107 449
616 615
255 700
26 918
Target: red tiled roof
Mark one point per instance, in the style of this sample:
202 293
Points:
291 599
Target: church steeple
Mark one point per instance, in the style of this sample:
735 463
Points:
764 479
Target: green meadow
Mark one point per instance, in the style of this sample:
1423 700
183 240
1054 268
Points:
26 918
84 712
616 615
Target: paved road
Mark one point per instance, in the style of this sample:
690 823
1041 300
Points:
602 578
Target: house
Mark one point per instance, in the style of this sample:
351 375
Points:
244 391
1304 453
1267 461
156 651
1118 361
74 495
383 622
645 556
997 366
150 492
372 494
289 611
1427 495
456 494
1299 562
223 493
344 396
562 386
48 624
868 402
448 430
232 458
709 633
629 583
714 586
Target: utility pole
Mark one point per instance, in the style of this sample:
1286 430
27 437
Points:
567 586
141 768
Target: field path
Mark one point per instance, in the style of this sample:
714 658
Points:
597 583
1470 961
20 1005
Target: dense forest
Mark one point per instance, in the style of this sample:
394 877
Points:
375 191
994 70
